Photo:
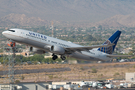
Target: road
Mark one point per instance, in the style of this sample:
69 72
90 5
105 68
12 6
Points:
28 71
108 89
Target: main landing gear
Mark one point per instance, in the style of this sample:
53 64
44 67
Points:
55 57
63 57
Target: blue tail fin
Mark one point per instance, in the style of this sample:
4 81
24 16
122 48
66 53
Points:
113 39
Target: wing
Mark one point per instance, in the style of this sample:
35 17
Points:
73 49
118 56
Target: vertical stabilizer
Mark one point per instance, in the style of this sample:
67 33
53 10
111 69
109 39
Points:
113 39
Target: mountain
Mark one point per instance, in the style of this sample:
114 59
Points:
21 20
118 21
68 10
42 11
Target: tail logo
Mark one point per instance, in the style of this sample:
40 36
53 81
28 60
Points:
108 49
113 39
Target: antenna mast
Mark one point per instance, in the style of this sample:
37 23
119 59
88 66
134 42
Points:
52 28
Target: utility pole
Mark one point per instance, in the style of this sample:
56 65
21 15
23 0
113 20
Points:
9 69
8 61
52 28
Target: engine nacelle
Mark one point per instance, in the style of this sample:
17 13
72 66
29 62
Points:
57 50
36 50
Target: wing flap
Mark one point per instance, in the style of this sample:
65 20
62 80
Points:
118 55
86 48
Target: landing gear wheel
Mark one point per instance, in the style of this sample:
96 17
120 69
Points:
63 57
54 57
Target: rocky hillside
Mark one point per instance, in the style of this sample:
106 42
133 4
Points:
38 12
89 10
118 21
21 20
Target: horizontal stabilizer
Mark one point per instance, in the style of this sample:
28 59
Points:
111 56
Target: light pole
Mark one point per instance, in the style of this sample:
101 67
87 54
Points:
79 75
89 75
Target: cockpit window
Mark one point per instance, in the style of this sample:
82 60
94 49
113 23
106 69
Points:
12 30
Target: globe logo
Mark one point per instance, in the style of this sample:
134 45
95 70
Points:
108 49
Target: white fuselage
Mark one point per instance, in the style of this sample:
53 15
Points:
40 41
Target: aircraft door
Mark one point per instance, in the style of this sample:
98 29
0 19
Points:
98 53
22 34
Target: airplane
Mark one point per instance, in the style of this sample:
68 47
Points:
41 44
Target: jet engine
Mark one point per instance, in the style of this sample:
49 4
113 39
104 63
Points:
36 50
57 50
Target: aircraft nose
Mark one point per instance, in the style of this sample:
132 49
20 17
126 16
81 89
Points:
3 32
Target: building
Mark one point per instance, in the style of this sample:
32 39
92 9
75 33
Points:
130 77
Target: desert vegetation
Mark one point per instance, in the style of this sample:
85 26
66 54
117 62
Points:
77 72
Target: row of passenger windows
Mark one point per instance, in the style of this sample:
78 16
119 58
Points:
35 37
49 41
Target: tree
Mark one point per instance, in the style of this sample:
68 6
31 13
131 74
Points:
90 38
94 70
100 27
